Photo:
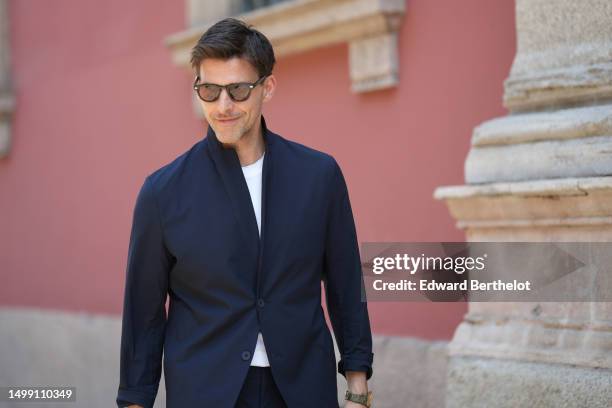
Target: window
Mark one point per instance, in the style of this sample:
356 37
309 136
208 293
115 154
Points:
249 5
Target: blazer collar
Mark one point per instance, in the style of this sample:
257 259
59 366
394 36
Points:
229 169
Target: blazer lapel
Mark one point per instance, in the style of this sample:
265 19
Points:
228 166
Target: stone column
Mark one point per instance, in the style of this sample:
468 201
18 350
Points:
542 173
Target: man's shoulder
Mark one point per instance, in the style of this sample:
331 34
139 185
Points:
301 154
170 171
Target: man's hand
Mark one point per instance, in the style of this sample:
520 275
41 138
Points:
351 404
135 406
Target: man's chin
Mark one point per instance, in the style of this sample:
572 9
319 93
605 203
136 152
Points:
227 140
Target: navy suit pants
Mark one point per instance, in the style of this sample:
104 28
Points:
259 390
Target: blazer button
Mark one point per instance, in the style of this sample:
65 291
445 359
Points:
246 355
260 303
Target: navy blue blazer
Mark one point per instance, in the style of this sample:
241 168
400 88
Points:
195 239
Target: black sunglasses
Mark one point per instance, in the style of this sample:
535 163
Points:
238 92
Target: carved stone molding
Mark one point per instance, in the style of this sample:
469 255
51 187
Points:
577 333
536 210
368 26
572 142
7 103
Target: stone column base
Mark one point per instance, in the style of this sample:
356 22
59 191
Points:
477 382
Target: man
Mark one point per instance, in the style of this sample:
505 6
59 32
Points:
239 231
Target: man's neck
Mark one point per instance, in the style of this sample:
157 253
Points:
251 146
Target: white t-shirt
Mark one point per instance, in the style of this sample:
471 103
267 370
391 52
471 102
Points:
253 176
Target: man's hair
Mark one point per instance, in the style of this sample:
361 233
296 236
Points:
231 37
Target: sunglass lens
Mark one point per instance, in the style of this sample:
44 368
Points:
209 92
240 92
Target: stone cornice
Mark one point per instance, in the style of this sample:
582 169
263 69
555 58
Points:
369 26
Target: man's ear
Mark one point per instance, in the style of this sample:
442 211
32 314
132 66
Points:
269 86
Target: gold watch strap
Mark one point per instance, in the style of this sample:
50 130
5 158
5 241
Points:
363 399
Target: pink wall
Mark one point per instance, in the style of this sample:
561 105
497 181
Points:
100 105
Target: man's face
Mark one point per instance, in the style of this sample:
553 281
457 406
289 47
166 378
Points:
233 122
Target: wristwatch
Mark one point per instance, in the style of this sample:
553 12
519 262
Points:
363 399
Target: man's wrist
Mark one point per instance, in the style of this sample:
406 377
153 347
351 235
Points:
356 382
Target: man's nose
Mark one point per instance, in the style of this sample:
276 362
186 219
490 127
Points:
225 102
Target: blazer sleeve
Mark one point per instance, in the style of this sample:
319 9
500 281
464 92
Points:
144 306
343 282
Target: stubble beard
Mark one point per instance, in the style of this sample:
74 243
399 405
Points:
236 135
